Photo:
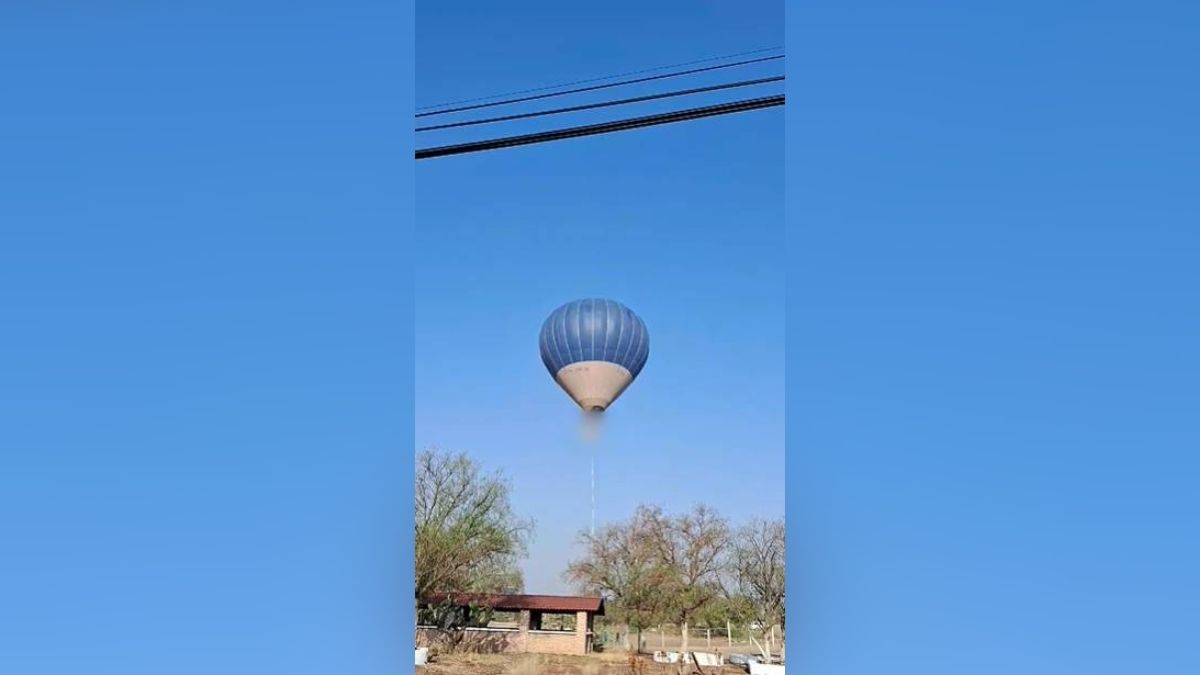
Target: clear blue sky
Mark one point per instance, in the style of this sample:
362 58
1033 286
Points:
993 326
203 352
682 223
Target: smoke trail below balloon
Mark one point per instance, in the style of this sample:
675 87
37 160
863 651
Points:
591 424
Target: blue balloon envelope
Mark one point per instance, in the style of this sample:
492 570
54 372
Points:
594 348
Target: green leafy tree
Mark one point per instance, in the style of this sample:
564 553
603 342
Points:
468 539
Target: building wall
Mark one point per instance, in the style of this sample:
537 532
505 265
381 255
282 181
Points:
492 640
477 640
552 642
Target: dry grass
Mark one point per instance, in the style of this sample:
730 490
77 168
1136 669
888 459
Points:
544 664
527 664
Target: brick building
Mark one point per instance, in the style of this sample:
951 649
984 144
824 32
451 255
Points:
538 624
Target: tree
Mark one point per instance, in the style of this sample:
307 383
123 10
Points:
725 610
756 570
623 564
685 569
468 539
691 549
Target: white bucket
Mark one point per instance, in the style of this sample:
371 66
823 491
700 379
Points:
422 656
765 669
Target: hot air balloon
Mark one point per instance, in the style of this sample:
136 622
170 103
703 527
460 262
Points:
594 349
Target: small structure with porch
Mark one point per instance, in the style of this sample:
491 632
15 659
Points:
537 624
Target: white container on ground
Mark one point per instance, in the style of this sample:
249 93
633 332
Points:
765 669
422 656
709 659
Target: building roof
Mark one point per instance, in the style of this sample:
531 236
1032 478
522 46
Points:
516 603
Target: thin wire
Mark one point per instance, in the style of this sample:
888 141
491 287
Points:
600 79
603 128
604 104
593 530
599 86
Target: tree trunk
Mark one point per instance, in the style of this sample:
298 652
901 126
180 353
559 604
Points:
684 637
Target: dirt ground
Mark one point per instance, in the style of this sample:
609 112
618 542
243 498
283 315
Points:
544 664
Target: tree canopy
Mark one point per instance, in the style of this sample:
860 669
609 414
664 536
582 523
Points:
685 569
468 539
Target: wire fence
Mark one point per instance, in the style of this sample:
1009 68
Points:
732 639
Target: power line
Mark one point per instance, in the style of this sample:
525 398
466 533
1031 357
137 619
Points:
601 79
605 104
603 128
599 86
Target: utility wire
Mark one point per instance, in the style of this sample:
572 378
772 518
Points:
598 86
604 104
603 128
600 79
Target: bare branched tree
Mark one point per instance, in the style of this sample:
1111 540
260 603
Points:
623 564
683 568
691 547
756 570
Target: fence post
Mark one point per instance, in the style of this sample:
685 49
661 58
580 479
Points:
708 638
729 633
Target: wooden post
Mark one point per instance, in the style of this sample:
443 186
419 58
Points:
662 638
765 652
708 638
729 633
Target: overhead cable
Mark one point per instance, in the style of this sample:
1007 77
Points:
603 128
601 79
599 86
605 104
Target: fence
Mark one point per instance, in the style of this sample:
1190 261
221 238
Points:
732 639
